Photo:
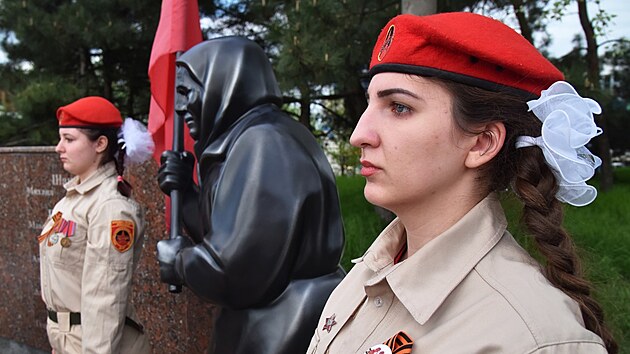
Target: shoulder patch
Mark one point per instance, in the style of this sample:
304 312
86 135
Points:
122 234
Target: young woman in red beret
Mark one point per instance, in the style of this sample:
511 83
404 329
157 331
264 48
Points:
460 108
91 243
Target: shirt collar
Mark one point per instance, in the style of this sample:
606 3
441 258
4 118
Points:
95 179
385 248
424 280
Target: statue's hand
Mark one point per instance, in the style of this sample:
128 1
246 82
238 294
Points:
167 251
175 171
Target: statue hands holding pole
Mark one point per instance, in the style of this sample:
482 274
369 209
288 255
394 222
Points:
175 173
167 256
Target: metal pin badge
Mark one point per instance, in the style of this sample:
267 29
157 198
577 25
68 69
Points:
379 349
53 239
65 242
330 322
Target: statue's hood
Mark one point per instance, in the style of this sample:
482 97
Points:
235 75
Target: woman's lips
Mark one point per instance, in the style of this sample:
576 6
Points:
368 168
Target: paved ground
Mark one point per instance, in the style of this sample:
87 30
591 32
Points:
10 347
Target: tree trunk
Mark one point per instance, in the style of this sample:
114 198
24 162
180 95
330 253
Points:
83 71
305 107
592 60
107 78
355 104
523 24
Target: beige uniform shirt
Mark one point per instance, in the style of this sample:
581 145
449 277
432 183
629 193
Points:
88 249
472 289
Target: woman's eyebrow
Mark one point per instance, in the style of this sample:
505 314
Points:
388 92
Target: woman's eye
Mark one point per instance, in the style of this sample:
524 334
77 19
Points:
398 108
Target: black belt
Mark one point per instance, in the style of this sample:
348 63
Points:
75 319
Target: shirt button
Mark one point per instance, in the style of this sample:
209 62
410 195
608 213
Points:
378 302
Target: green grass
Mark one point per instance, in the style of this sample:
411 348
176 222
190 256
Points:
601 232
360 220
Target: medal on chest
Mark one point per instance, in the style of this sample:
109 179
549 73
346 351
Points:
61 231
65 242
53 239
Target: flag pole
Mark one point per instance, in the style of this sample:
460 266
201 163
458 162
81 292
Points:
176 196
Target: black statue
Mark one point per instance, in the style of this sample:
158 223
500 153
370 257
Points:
265 223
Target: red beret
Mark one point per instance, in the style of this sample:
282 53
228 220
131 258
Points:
92 111
463 47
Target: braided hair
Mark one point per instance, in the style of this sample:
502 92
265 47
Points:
533 181
115 152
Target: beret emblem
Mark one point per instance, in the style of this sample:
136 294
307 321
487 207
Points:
387 43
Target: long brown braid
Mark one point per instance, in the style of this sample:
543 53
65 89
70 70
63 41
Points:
115 152
532 180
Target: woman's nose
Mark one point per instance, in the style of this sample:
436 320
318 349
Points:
58 147
364 133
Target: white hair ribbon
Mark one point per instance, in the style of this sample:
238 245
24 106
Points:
567 126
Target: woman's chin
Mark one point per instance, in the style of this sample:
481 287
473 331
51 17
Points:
68 168
374 196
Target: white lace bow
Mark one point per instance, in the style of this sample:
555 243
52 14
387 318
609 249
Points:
137 141
568 125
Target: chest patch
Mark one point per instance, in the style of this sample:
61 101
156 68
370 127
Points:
122 235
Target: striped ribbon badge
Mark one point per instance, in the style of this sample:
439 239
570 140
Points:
401 343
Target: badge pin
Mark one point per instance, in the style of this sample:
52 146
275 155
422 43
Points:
400 343
65 242
330 322
379 349
53 239
389 38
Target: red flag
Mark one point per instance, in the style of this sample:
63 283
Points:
177 31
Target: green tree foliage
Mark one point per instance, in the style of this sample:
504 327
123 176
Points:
319 48
345 156
94 47
529 14
37 103
617 59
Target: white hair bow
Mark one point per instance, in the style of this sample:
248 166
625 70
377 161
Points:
568 125
137 141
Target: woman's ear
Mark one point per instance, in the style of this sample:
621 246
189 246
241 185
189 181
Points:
101 144
487 145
